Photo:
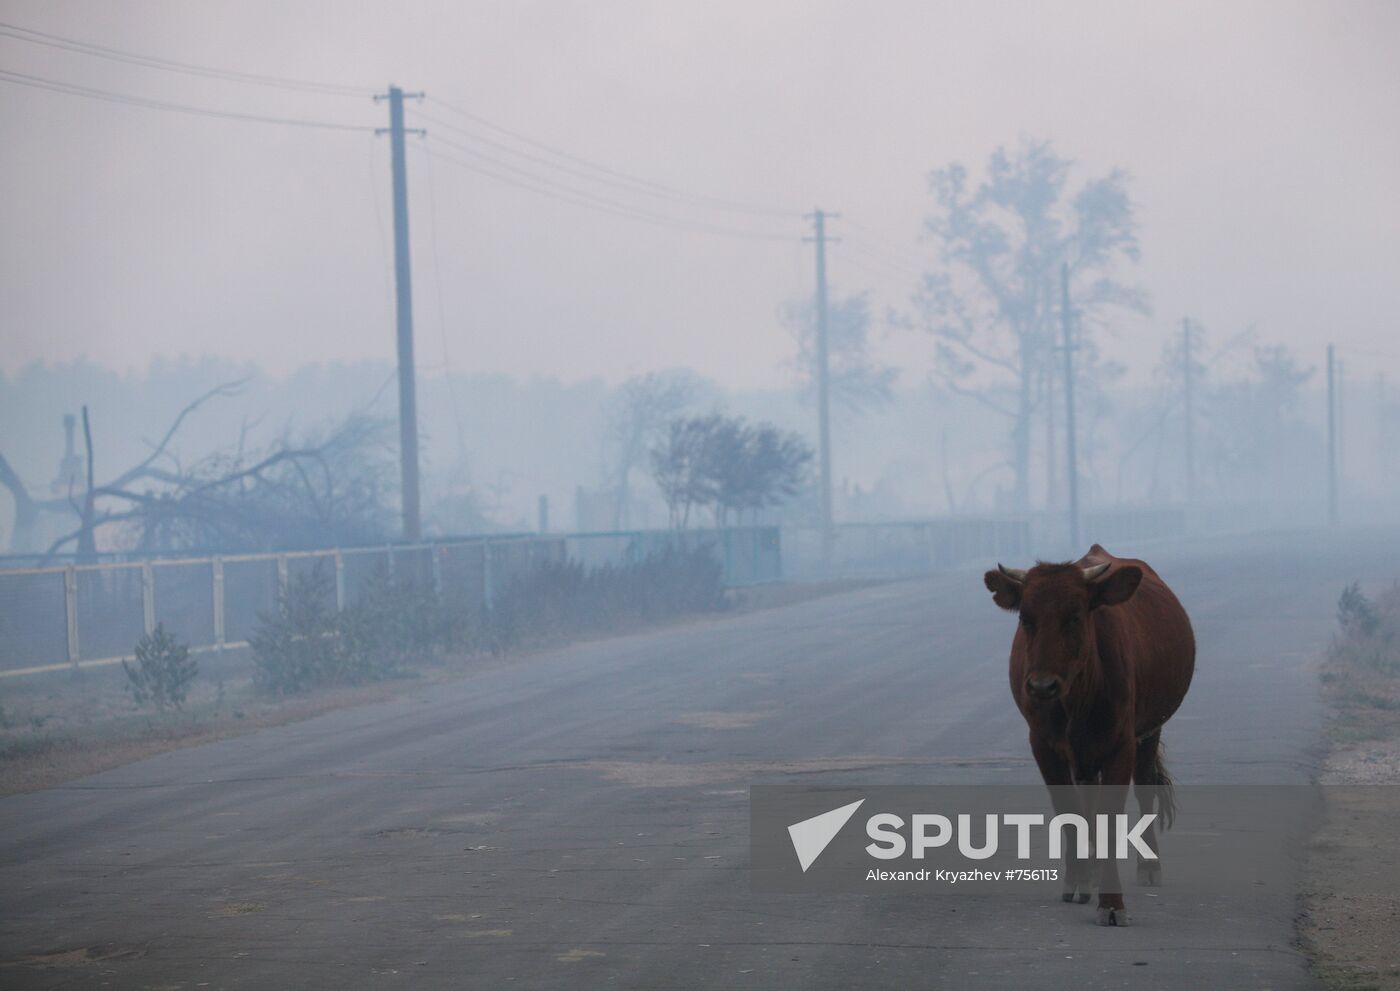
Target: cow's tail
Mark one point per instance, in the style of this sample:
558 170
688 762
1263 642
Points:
1161 782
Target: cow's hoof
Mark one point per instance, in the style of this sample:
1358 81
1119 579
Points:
1074 893
1149 875
1109 916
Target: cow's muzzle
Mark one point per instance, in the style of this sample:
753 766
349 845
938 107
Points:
1043 689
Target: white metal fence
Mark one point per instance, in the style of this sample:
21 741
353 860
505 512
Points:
84 615
81 615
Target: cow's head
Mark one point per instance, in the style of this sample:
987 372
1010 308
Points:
1056 603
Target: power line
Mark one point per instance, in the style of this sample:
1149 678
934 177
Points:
127 99
30 35
442 314
887 246
616 175
862 251
515 170
628 185
863 267
374 187
1366 352
556 190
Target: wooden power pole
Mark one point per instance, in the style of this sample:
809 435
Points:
823 370
403 289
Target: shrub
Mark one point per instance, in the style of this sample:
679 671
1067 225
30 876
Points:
399 619
1355 614
296 646
163 671
562 597
1369 632
305 642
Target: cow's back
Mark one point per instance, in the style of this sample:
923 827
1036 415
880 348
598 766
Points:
1151 636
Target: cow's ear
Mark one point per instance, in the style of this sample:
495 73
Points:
1006 592
1117 587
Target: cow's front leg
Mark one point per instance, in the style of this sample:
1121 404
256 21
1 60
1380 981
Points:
1110 798
1055 770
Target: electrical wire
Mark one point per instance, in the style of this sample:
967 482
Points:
34 37
868 268
442 315
860 253
604 179
883 248
109 96
604 173
375 186
503 172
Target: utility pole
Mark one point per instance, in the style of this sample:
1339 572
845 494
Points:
1331 437
1188 376
1070 454
1341 423
403 286
819 219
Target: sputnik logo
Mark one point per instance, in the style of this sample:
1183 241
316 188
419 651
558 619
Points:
811 836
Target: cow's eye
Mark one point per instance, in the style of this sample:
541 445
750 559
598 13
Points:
1027 624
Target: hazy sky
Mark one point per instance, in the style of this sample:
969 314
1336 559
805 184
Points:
1263 140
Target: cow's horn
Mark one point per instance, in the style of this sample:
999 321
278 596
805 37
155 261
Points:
1017 575
1091 573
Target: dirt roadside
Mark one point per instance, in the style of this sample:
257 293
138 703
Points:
1349 913
58 727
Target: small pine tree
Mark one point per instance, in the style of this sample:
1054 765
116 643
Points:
163 671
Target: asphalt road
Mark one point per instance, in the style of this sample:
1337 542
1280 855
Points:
579 818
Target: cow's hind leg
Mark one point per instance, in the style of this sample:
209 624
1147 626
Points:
1152 787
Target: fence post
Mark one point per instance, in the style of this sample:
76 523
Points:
435 552
281 576
70 609
148 597
339 580
217 567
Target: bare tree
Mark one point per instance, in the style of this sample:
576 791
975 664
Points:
994 306
27 509
638 416
679 466
312 491
857 381
1164 406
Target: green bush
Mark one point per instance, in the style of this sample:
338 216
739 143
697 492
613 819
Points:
394 622
1368 631
558 598
305 643
163 671
400 620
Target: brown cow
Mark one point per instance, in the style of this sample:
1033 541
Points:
1102 658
